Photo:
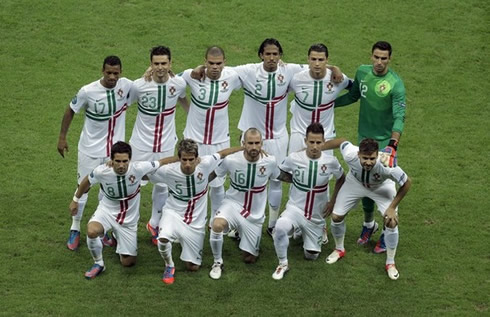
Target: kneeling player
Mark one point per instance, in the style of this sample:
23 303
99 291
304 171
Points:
367 177
243 208
309 171
184 213
119 208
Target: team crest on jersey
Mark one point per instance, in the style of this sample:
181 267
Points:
280 79
132 179
376 177
262 170
224 86
172 90
323 169
329 87
120 93
382 88
200 177
74 99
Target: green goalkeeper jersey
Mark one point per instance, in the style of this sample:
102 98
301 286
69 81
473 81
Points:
382 108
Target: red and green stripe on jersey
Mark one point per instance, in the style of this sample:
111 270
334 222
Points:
245 183
316 107
190 196
211 106
309 186
365 178
107 112
120 193
270 101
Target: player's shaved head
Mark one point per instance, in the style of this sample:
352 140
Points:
382 46
215 51
251 131
160 51
368 146
187 146
319 47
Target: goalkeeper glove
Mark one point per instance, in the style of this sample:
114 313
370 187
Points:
390 152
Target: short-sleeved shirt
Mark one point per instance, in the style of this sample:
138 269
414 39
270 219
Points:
314 102
207 120
265 103
105 115
154 129
248 183
187 193
309 190
377 175
122 192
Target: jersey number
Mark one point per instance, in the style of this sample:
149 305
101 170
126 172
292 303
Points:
299 175
149 102
98 106
240 178
363 90
258 89
202 95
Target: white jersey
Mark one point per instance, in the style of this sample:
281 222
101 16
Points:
207 121
314 102
376 176
309 191
265 103
122 192
188 197
248 183
105 116
154 129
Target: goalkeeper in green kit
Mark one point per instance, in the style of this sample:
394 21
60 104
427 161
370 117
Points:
381 117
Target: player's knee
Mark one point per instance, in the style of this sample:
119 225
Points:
191 266
219 224
94 230
311 255
127 260
337 218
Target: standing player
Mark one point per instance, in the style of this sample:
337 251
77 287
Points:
244 204
119 208
184 214
367 177
105 102
310 172
207 121
381 117
154 134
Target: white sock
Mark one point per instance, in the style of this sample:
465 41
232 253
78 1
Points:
75 220
368 225
274 197
159 197
391 241
216 241
338 233
281 240
95 249
165 250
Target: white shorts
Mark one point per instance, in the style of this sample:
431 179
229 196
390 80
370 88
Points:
312 233
352 191
210 149
145 156
87 164
171 227
277 147
297 143
126 234
250 232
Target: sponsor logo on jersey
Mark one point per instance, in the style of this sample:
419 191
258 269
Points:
382 88
74 99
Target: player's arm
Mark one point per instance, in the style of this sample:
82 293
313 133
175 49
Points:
285 177
224 153
184 102
168 160
337 77
199 73
333 144
390 214
82 188
65 125
331 203
212 176
350 97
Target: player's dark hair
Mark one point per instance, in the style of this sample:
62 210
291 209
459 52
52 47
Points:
269 41
251 131
382 46
112 61
188 146
215 51
121 147
315 128
319 47
160 50
368 146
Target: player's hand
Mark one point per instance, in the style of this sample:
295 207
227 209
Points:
263 153
108 163
280 63
148 73
388 155
390 218
199 73
337 77
73 208
328 209
62 147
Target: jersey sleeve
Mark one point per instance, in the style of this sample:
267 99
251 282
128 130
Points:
210 162
94 176
241 70
134 93
159 175
398 103
336 168
348 151
79 102
222 168
398 175
148 167
287 165
352 96
186 75
275 170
